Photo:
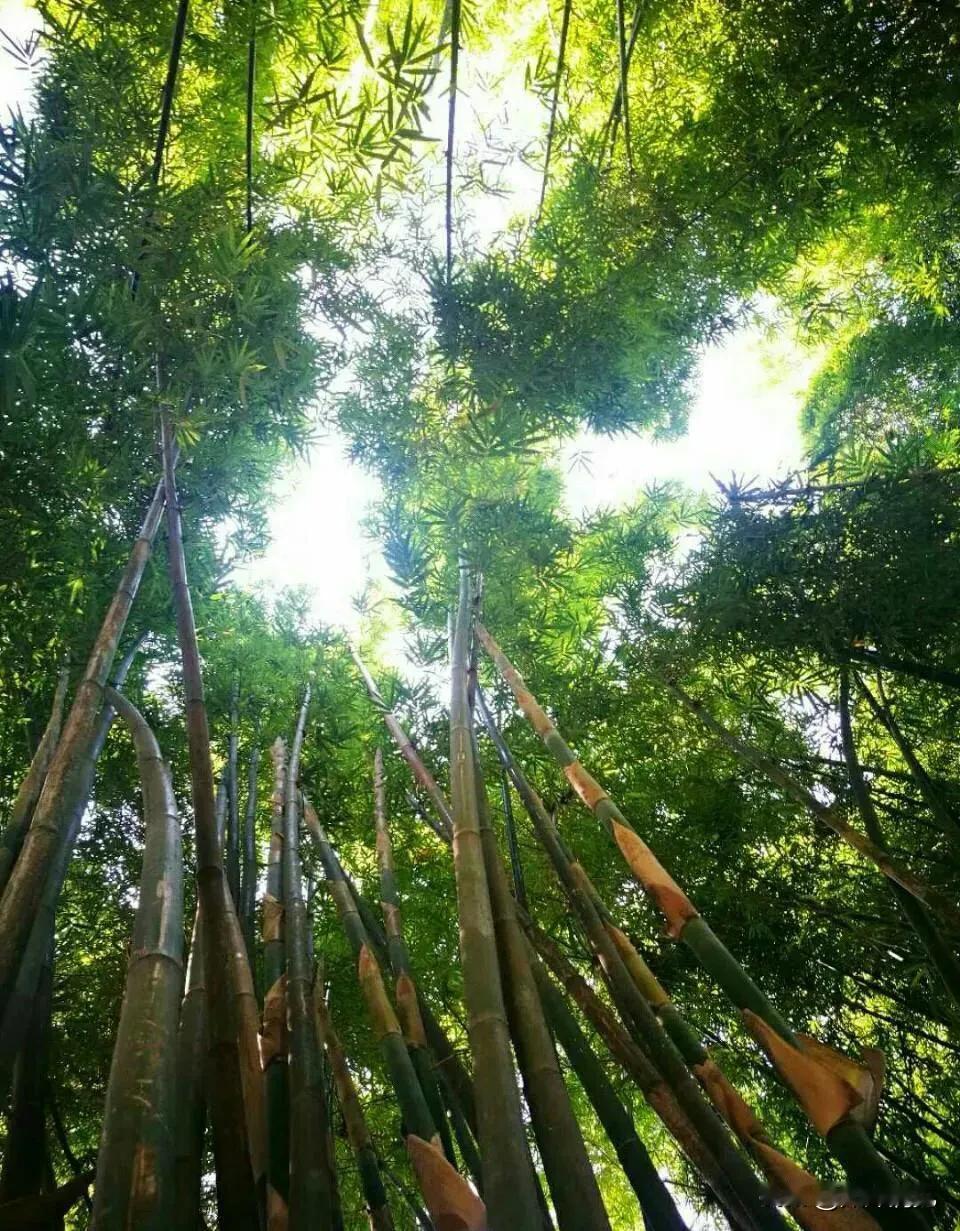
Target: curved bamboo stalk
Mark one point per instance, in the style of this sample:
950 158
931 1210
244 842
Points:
507 1186
405 990
238 1200
67 779
311 1182
368 1166
29 1213
826 1097
135 1166
447 1194
21 813
16 1017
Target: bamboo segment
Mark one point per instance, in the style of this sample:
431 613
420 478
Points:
248 870
847 1139
67 779
232 860
238 1200
135 1167
507 1185
312 1183
358 1133
21 813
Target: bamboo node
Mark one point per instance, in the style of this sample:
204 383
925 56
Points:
672 902
451 1202
585 785
273 1035
272 918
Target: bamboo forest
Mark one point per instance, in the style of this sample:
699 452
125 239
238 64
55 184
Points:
550 819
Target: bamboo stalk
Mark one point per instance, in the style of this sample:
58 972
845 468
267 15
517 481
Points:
274 1042
824 1096
555 103
16 1018
135 1168
191 1114
21 813
447 1194
67 780
938 951
358 1134
570 1178
507 1185
311 1180
248 879
232 860
826 814
237 1196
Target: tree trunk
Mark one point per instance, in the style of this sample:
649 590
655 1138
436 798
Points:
21 813
135 1167
238 1200
507 1184
67 782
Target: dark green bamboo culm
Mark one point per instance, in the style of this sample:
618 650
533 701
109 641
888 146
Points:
232 857
248 869
844 1134
21 813
239 1195
273 1034
191 1113
16 1019
576 1196
67 783
135 1167
312 1203
508 1186
405 991
447 1194
939 952
358 1134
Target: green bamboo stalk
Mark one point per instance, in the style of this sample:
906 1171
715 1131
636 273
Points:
846 1137
67 780
191 1115
570 1178
239 1202
826 814
17 1016
135 1167
311 1183
405 746
405 990
732 1180
507 1185
358 1134
274 1030
15 830
935 802
248 880
232 860
444 1191
659 1210
25 1153
939 953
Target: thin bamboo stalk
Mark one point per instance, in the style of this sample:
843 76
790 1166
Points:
16 1018
67 779
248 879
274 1041
26 800
447 1194
508 1188
405 990
311 1180
238 1200
191 1114
825 1096
232 860
358 1134
135 1167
